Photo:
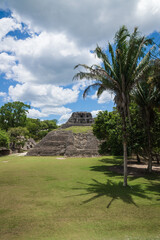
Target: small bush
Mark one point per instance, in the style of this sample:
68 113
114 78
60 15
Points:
4 139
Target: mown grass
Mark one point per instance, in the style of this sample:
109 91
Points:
79 129
45 198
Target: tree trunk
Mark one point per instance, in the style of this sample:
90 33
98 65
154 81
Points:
149 141
125 151
138 158
149 162
125 162
157 158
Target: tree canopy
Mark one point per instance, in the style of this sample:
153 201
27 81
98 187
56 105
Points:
13 114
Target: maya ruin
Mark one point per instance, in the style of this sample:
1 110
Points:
66 143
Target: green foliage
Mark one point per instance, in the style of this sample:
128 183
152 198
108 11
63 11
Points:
13 114
18 137
108 127
4 139
33 126
136 131
48 125
156 133
38 129
41 134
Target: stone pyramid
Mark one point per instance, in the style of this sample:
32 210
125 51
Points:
66 143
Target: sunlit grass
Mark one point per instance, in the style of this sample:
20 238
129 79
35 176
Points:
79 129
49 198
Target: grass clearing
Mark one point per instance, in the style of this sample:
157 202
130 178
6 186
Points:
79 129
45 198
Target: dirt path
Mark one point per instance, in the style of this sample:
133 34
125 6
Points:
135 169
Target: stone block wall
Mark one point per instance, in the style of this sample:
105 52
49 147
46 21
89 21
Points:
66 143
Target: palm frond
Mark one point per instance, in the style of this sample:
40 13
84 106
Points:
92 86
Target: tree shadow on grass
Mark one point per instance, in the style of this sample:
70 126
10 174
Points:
116 160
106 169
113 190
114 167
154 188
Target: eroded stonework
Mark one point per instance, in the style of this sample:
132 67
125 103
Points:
79 119
66 143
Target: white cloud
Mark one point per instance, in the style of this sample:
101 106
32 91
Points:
95 112
145 6
46 58
7 25
64 118
87 22
45 112
7 62
42 96
34 113
68 30
56 110
105 97
3 94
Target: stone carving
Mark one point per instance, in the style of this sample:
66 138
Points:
66 143
79 119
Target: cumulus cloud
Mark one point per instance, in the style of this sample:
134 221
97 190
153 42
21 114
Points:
105 97
95 112
64 118
35 113
61 36
42 96
7 25
46 58
7 62
3 94
87 22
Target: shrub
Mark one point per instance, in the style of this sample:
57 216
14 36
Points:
4 139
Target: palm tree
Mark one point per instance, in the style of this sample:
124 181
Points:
120 74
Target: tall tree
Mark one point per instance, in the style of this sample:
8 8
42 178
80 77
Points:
147 97
120 74
13 114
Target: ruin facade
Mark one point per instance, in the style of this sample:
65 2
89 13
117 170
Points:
79 119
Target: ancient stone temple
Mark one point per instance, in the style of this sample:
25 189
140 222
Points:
79 119
66 143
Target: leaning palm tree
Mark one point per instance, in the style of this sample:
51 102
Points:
119 72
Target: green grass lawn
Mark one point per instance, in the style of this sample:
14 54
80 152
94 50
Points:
45 198
79 129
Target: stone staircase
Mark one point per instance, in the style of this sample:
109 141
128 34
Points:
66 143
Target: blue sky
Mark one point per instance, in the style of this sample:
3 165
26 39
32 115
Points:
41 42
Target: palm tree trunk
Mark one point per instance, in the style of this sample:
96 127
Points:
149 152
125 151
149 141
138 159
125 163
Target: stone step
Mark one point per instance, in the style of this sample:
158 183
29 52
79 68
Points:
52 143
66 143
